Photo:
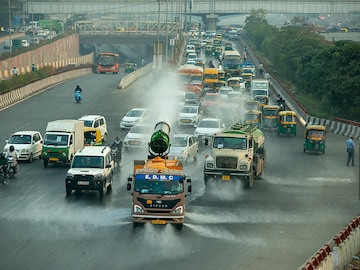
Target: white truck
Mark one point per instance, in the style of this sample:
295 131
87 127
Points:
237 153
62 139
259 87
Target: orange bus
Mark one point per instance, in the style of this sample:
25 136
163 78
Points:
108 62
191 78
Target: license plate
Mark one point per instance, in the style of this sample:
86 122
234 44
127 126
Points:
185 121
134 143
53 159
83 183
158 222
225 177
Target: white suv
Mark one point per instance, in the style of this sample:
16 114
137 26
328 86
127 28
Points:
96 121
92 168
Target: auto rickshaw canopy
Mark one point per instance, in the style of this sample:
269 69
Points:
92 136
315 132
130 67
271 110
287 117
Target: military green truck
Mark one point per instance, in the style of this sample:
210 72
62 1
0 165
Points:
237 153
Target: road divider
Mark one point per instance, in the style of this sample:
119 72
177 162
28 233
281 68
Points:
19 94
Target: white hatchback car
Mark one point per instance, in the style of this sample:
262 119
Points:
27 143
189 115
138 136
184 147
133 117
208 127
96 121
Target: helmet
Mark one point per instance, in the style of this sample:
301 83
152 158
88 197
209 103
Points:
77 86
11 148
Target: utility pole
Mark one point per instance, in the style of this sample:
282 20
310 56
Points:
10 42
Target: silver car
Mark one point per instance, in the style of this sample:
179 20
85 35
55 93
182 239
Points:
183 147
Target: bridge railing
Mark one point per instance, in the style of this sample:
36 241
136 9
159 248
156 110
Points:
119 27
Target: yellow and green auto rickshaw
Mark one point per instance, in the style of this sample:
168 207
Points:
208 50
218 85
253 117
234 82
92 136
287 121
252 105
222 75
130 67
315 139
270 116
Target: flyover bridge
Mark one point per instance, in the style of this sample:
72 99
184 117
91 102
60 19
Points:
199 7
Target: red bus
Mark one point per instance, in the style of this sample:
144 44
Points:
108 62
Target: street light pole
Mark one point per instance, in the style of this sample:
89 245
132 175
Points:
10 42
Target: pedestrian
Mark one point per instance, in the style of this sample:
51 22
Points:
350 149
14 72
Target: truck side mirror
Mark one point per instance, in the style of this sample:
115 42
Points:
189 188
128 186
206 141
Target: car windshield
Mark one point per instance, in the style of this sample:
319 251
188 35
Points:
135 113
140 129
56 139
230 143
88 162
20 139
178 141
158 186
88 123
188 110
209 124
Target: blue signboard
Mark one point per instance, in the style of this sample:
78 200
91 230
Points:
159 177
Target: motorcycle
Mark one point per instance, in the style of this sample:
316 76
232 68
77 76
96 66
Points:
116 154
13 168
77 96
281 104
3 173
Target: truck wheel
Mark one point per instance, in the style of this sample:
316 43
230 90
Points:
46 162
179 226
206 178
104 138
249 182
68 192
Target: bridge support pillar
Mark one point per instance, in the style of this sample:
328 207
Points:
210 22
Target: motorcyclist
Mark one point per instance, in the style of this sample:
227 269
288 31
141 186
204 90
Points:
15 155
280 101
78 89
117 144
3 163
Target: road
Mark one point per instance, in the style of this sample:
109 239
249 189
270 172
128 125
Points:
302 201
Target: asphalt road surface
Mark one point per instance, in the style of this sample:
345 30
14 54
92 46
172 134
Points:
302 201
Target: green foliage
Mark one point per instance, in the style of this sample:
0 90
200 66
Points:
24 79
325 74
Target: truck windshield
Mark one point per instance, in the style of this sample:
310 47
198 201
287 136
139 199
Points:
158 186
230 143
56 139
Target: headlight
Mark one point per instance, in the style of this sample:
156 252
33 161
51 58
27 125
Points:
98 176
178 210
138 209
69 175
243 167
24 150
209 165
